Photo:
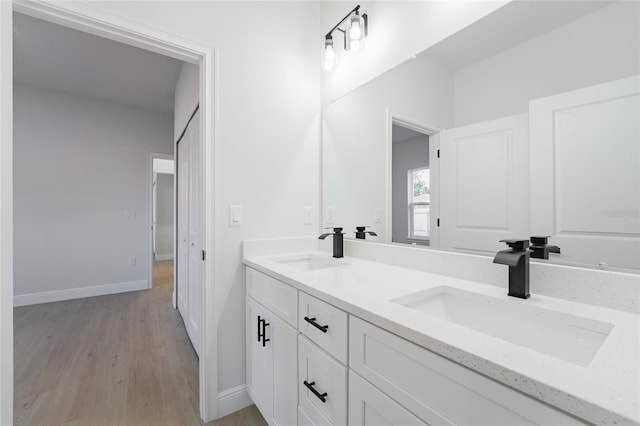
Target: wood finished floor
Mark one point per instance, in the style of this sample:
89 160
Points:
122 359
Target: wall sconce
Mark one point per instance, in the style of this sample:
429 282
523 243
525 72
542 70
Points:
354 32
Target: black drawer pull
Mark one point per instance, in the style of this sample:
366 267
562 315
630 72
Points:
259 332
321 396
313 322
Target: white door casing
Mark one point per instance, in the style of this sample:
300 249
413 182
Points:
483 189
585 173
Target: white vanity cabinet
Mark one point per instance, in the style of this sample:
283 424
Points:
271 348
435 389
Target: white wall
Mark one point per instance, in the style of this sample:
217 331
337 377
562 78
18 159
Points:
164 216
355 137
502 85
79 164
187 97
267 126
407 155
397 29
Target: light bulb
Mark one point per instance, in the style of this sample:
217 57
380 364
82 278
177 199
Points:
355 28
329 57
355 45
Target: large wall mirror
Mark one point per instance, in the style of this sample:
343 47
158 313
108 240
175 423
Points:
525 123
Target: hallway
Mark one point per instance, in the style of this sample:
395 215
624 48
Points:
109 360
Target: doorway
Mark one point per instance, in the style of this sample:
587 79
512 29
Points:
162 221
110 27
413 206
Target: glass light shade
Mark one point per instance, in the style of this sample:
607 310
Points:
356 30
329 57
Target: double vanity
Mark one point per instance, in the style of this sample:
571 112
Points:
359 342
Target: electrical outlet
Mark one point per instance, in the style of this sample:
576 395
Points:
132 260
329 215
130 214
308 215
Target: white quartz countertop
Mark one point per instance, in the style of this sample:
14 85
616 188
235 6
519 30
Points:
605 392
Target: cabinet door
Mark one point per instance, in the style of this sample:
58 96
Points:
259 359
368 406
283 337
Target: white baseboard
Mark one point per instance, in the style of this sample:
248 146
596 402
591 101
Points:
232 400
77 293
159 257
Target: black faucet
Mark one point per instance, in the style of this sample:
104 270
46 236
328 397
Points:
361 234
540 249
337 241
517 257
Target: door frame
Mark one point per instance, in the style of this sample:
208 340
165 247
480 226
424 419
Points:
150 207
434 142
87 18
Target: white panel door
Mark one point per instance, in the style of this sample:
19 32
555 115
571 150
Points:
182 265
585 173
483 189
195 232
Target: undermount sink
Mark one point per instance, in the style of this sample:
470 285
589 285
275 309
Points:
564 336
309 262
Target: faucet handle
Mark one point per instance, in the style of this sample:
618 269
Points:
518 245
538 240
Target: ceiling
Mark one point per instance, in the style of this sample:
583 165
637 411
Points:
53 57
403 134
510 25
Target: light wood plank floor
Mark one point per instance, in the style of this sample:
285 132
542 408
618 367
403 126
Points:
122 359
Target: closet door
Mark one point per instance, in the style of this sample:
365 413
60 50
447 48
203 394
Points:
195 263
484 190
182 265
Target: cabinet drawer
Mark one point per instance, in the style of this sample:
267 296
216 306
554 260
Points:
330 329
328 378
368 407
434 388
278 297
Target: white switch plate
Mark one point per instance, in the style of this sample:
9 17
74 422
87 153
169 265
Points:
308 215
132 260
235 215
130 214
329 215
377 215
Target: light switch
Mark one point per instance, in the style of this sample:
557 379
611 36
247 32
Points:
235 215
329 215
130 214
308 215
377 215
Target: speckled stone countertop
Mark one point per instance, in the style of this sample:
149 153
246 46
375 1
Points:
604 392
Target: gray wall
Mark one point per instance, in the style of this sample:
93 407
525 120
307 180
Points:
79 165
164 216
406 155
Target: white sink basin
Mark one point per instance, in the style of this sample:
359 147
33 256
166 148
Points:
309 262
568 337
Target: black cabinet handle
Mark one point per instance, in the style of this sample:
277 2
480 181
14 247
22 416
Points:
321 396
313 322
264 333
